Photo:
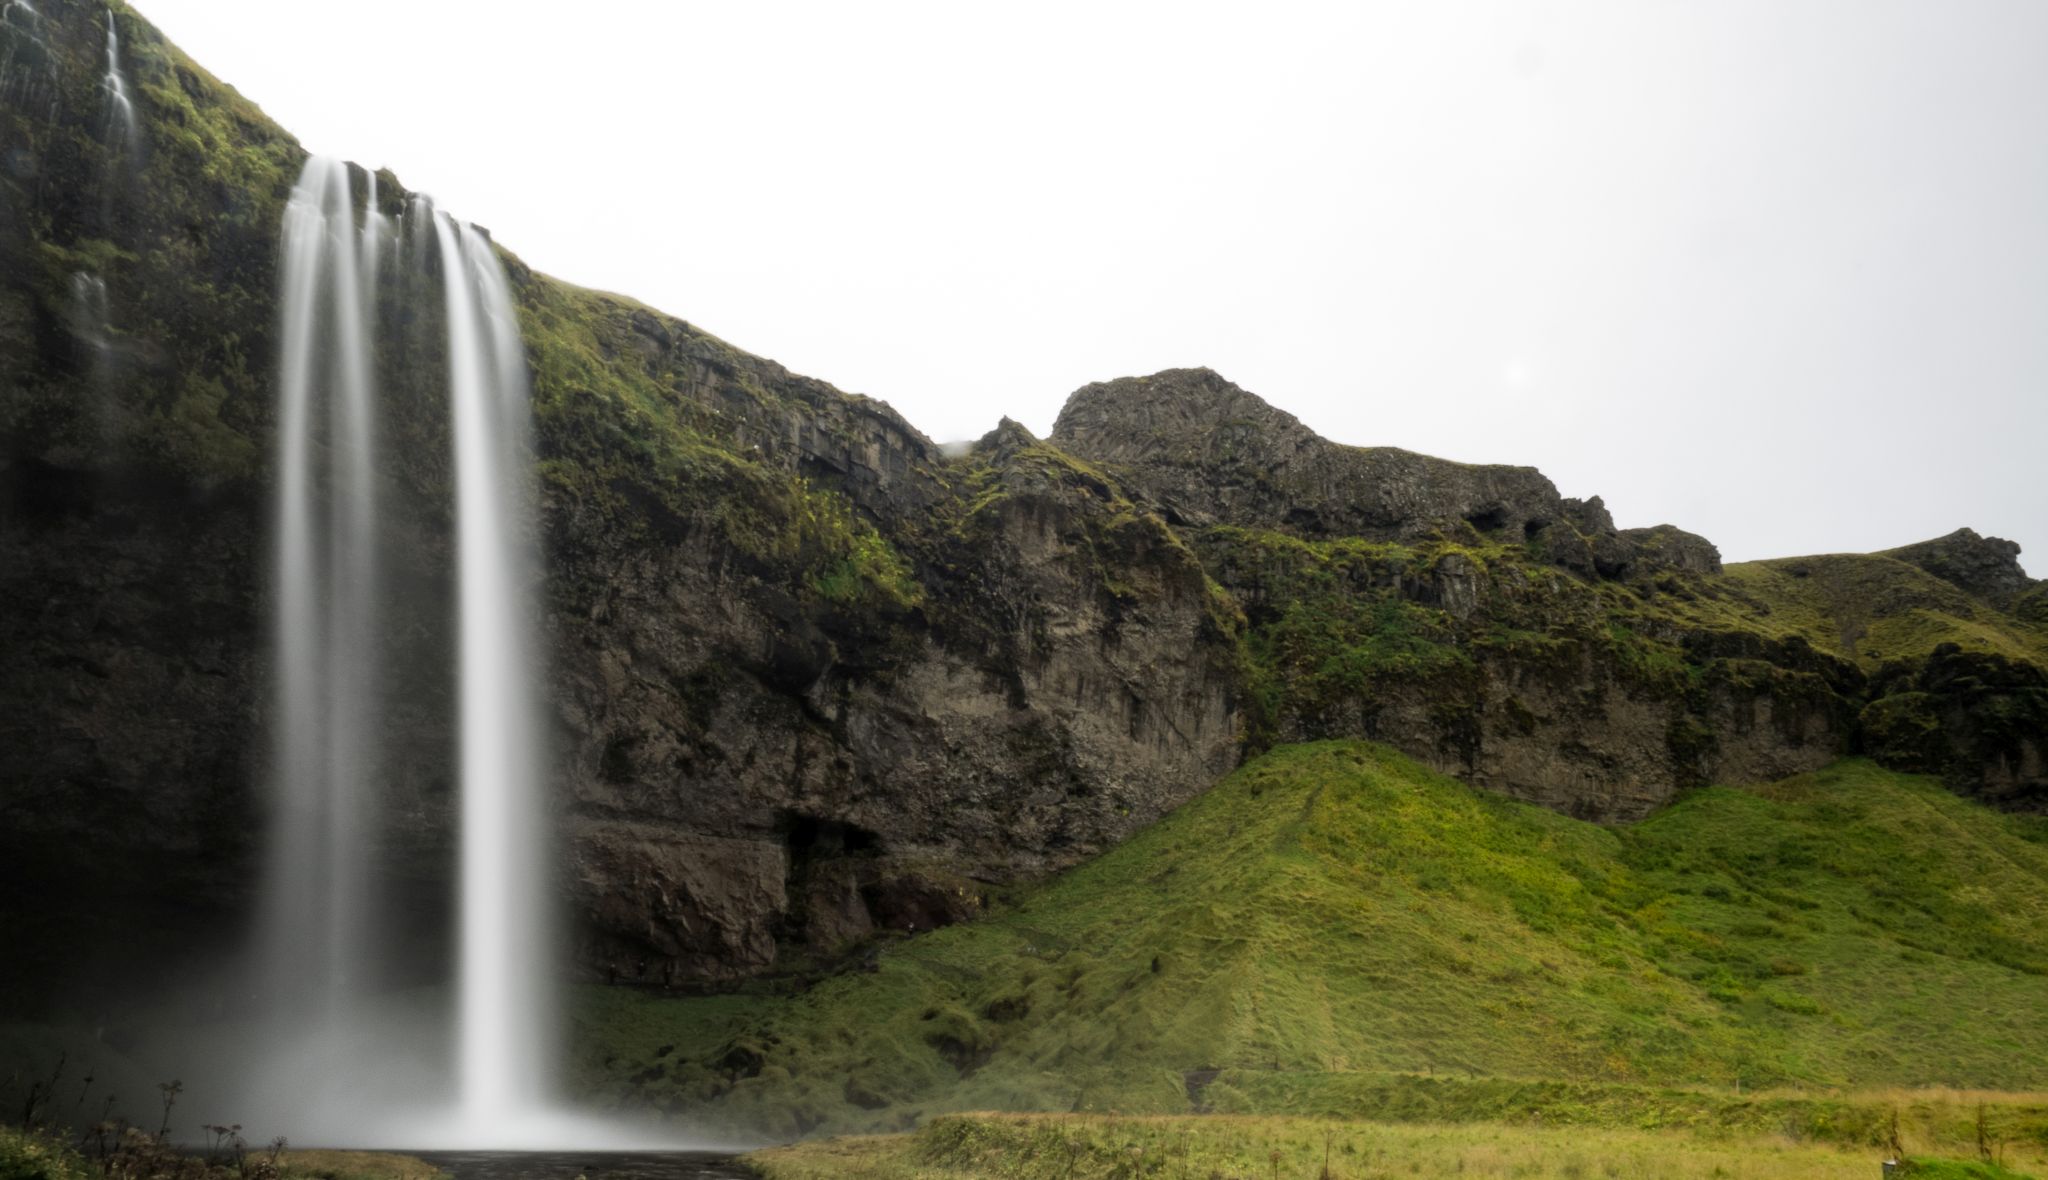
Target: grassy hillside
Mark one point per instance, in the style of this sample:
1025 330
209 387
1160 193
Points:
1864 607
1334 915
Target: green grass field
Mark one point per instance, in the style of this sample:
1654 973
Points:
1060 1147
47 1155
1337 930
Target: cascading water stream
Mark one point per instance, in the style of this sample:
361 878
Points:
120 109
91 324
502 1060
90 319
28 71
325 930
318 933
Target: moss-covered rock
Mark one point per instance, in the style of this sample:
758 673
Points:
814 678
1494 664
1978 719
1208 452
1987 567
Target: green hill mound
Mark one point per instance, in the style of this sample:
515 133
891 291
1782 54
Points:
1333 911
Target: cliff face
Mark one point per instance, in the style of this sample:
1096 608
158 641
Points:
851 690
1488 663
1480 622
134 323
812 677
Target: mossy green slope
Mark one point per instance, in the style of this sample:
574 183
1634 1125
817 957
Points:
183 370
624 440
1334 909
1868 608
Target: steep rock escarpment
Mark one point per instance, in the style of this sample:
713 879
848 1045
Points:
1518 676
1469 615
794 715
1978 719
812 677
1482 623
1605 698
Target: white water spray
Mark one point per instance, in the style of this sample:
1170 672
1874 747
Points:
319 936
350 1062
502 1057
120 110
89 315
92 325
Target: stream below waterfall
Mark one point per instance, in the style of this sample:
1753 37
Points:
590 1165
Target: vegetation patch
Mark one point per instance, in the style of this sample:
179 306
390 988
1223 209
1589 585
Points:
1059 1147
102 1153
1334 929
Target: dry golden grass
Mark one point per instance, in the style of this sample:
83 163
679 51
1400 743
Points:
1905 1096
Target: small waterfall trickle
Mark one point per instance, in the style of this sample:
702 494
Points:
28 71
21 16
91 322
90 319
120 109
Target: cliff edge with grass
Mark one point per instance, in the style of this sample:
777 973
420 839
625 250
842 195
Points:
814 679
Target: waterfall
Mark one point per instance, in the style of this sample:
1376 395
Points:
28 71
343 1036
502 1060
120 111
318 931
91 325
91 322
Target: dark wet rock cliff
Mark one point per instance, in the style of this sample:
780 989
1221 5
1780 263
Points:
813 678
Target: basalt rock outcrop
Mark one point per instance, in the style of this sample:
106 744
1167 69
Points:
1499 667
1988 567
1207 452
814 677
1977 719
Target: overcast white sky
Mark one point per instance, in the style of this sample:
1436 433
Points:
1775 271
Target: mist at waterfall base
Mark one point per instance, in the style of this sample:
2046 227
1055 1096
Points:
359 1032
